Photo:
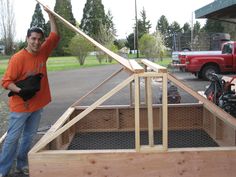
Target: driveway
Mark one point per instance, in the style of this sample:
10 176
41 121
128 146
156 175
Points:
68 86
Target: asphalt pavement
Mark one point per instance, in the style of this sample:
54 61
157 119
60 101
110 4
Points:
68 86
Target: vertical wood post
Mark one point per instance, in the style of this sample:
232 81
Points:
137 113
145 80
164 113
131 93
150 112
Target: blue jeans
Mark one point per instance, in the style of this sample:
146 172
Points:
21 129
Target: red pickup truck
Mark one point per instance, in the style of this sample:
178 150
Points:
204 64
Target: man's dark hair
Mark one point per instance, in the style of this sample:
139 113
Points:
36 30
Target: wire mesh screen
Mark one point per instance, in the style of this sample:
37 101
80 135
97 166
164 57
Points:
222 132
113 126
185 126
109 128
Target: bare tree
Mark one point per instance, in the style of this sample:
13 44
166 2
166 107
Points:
7 24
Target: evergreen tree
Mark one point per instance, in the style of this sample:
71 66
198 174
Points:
110 24
213 26
186 28
64 9
144 25
37 18
94 18
107 32
173 29
130 41
163 26
196 28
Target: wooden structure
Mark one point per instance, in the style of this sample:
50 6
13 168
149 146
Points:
51 157
222 10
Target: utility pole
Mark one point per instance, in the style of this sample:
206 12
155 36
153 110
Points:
136 30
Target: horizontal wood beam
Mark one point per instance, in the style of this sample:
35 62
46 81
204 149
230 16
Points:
154 66
132 164
136 66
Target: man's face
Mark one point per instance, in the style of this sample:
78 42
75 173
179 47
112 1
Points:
34 42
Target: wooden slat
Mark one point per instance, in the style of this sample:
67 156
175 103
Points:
193 163
118 58
150 112
137 114
85 112
154 66
55 127
150 74
164 113
131 94
136 67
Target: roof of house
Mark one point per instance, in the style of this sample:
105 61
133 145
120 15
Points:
219 9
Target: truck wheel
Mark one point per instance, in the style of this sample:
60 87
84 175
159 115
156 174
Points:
207 70
199 75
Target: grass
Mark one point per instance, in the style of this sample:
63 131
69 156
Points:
3 64
70 62
61 63
165 62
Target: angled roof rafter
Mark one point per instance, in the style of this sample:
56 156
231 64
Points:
118 58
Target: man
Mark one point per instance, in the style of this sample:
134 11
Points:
25 112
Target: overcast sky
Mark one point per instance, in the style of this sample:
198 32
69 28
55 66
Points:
123 12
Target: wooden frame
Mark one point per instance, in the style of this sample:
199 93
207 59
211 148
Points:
50 157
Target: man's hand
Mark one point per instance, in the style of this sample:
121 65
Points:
26 93
52 20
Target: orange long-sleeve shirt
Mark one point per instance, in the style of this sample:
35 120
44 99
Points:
24 64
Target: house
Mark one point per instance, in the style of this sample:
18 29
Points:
223 10
2 49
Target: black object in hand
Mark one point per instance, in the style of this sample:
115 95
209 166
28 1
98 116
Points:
29 87
27 94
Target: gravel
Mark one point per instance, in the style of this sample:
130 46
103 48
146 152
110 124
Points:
4 111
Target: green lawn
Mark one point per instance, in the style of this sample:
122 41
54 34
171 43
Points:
61 63
69 62
165 62
3 64
65 63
